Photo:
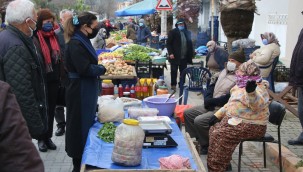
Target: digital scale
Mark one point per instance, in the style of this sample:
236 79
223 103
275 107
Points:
157 134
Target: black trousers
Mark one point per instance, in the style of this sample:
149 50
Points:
60 117
76 164
174 71
52 92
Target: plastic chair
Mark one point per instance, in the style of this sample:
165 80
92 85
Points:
277 113
271 77
198 81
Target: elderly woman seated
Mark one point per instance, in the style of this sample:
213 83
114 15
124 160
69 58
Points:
265 55
243 117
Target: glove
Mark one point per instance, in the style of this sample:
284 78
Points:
209 104
213 120
250 86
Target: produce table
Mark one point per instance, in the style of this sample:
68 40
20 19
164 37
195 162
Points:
97 154
133 76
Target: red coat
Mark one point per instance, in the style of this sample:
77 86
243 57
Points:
17 152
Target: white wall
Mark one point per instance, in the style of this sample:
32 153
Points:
277 9
295 24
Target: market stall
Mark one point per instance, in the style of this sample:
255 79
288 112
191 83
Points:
148 62
97 154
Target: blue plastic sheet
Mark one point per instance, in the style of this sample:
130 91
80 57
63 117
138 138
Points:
140 8
98 153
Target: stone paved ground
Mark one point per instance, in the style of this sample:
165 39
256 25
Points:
58 161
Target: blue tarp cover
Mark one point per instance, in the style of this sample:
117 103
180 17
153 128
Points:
98 153
140 8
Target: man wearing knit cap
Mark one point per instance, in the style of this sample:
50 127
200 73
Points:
197 118
143 33
180 50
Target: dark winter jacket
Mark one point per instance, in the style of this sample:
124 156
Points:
296 65
221 56
142 34
21 67
81 94
18 152
174 46
54 76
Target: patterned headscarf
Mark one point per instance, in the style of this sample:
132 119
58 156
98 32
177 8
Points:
250 72
211 46
271 37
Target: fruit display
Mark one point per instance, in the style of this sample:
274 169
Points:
110 56
119 67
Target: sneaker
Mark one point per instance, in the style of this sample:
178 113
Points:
295 142
60 131
42 146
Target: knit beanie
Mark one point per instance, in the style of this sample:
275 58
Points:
180 20
43 14
238 56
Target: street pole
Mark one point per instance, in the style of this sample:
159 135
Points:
163 22
212 19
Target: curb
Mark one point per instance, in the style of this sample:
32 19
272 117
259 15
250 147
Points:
289 159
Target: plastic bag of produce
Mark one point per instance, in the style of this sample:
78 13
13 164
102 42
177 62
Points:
134 112
128 142
110 110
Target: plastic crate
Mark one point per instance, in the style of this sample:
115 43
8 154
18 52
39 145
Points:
143 69
281 73
99 51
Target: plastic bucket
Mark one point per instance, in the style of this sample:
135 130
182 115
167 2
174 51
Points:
165 109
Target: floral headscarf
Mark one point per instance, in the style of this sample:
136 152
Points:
271 37
250 71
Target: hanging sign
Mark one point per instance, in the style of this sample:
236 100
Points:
164 5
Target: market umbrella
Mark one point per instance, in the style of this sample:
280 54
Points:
140 8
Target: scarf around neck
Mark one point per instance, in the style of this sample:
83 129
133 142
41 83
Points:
47 54
86 42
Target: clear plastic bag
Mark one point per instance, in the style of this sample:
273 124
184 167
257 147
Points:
110 110
128 143
134 112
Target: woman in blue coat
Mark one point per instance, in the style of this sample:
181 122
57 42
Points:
81 63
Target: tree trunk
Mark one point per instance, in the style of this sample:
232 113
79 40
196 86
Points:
236 24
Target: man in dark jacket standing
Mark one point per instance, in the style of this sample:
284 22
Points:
296 80
22 67
143 33
59 112
18 152
180 50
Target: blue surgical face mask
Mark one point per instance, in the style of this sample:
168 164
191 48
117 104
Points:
265 41
181 27
47 27
141 24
